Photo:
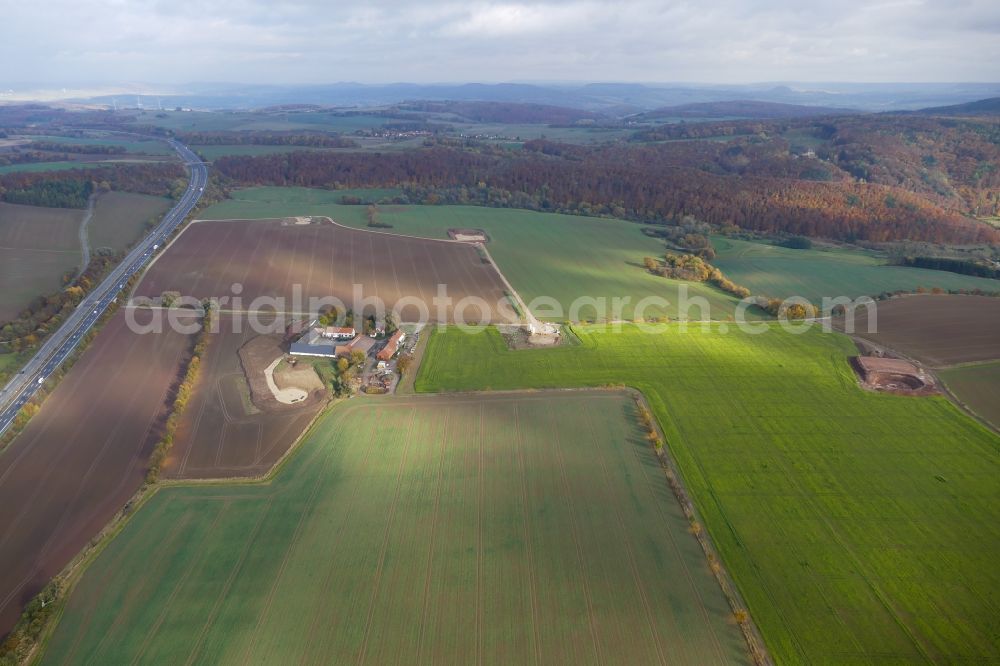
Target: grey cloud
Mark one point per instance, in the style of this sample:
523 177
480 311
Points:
639 40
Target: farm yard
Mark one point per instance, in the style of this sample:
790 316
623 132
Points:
939 330
222 432
81 457
509 528
781 272
268 257
858 526
37 247
564 257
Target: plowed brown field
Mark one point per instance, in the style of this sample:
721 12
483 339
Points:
268 258
222 433
81 457
939 330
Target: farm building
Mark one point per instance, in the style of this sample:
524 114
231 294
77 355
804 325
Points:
318 341
336 332
306 349
391 346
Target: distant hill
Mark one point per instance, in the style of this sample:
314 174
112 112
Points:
983 107
742 108
504 112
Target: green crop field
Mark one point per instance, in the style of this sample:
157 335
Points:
502 529
977 385
782 272
120 218
860 527
544 255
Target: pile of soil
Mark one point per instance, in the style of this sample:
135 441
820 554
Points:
892 375
255 356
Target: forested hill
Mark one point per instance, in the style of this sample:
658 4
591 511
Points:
862 179
983 107
741 109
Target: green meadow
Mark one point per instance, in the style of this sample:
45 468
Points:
859 527
781 272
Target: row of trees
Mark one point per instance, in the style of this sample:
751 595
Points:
181 398
46 312
71 188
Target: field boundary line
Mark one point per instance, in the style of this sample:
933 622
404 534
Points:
756 647
633 567
113 569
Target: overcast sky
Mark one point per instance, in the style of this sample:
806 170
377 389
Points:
319 41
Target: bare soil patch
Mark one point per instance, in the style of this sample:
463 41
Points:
893 375
939 330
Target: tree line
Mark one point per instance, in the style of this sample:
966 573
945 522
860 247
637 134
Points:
645 182
71 188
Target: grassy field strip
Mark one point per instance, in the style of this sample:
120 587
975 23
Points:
782 272
857 526
450 529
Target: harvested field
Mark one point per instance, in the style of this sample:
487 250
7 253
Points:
81 457
224 431
37 247
490 529
120 218
860 527
268 257
939 330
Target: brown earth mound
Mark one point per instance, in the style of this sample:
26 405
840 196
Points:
892 375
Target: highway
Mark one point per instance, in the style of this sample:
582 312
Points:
60 344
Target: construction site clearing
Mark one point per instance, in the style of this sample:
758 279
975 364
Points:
893 375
